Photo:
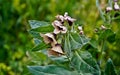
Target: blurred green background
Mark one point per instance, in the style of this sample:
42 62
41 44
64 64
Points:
14 38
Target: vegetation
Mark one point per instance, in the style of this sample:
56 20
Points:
16 52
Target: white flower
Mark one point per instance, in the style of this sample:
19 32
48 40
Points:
108 9
80 28
116 6
66 14
56 23
69 19
60 18
56 50
103 27
49 38
58 27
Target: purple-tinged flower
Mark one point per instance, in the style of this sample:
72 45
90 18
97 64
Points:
115 0
49 38
58 27
60 18
69 19
56 23
56 50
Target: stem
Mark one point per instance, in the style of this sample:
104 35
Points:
101 13
101 51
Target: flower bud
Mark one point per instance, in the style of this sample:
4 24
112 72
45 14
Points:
103 27
115 0
56 23
81 32
60 18
96 30
66 14
116 6
108 9
80 28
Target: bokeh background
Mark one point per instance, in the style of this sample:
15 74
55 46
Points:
15 40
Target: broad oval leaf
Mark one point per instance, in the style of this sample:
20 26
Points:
40 26
77 41
35 34
43 29
50 70
83 62
35 24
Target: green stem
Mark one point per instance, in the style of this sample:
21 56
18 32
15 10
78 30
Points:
100 10
101 50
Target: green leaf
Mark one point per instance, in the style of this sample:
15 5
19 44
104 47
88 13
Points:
40 26
60 59
111 38
110 69
77 41
93 43
83 62
50 70
35 24
39 57
105 34
44 29
35 34
37 41
40 46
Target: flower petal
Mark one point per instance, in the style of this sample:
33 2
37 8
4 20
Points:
56 23
80 28
48 38
60 17
57 48
56 31
64 29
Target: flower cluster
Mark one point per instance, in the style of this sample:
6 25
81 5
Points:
59 27
116 7
59 23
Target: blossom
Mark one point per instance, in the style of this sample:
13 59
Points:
56 50
103 27
58 27
57 23
69 19
80 28
60 18
49 38
115 0
108 9
116 6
